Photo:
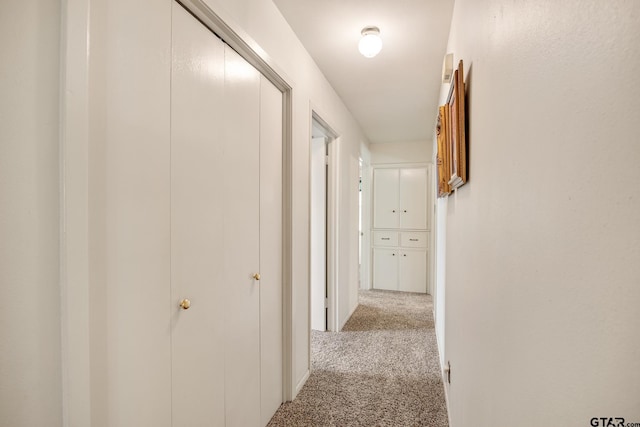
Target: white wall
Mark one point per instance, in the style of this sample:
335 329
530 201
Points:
543 243
365 268
348 231
30 369
439 262
402 152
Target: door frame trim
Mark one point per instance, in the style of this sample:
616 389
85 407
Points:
74 214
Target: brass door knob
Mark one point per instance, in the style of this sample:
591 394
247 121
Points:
256 276
185 304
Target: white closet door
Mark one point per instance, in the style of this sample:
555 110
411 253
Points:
270 249
385 198
241 238
197 256
413 198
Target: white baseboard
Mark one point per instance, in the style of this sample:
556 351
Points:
444 379
301 384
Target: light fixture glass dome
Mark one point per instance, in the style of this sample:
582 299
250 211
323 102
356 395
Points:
370 43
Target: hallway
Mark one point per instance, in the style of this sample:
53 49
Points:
381 370
123 203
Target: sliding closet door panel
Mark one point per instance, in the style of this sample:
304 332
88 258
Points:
129 217
197 256
241 237
270 248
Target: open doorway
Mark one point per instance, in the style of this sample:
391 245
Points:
322 244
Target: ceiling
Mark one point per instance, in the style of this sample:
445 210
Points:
393 96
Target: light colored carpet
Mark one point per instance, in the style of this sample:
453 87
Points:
381 370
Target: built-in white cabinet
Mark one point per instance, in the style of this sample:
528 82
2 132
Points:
400 198
400 261
400 228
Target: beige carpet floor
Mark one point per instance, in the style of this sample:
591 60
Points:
381 370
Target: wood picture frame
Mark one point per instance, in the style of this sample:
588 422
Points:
442 156
456 130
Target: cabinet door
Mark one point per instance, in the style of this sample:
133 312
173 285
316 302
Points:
413 198
197 223
413 271
385 269
385 198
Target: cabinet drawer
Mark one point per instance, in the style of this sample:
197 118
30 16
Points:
385 238
413 239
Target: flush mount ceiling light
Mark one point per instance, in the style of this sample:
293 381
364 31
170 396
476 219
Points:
370 43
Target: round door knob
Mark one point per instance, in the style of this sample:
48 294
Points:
185 304
256 276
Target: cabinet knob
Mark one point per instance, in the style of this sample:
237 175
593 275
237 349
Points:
256 276
404 254
393 254
405 211
185 304
394 211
